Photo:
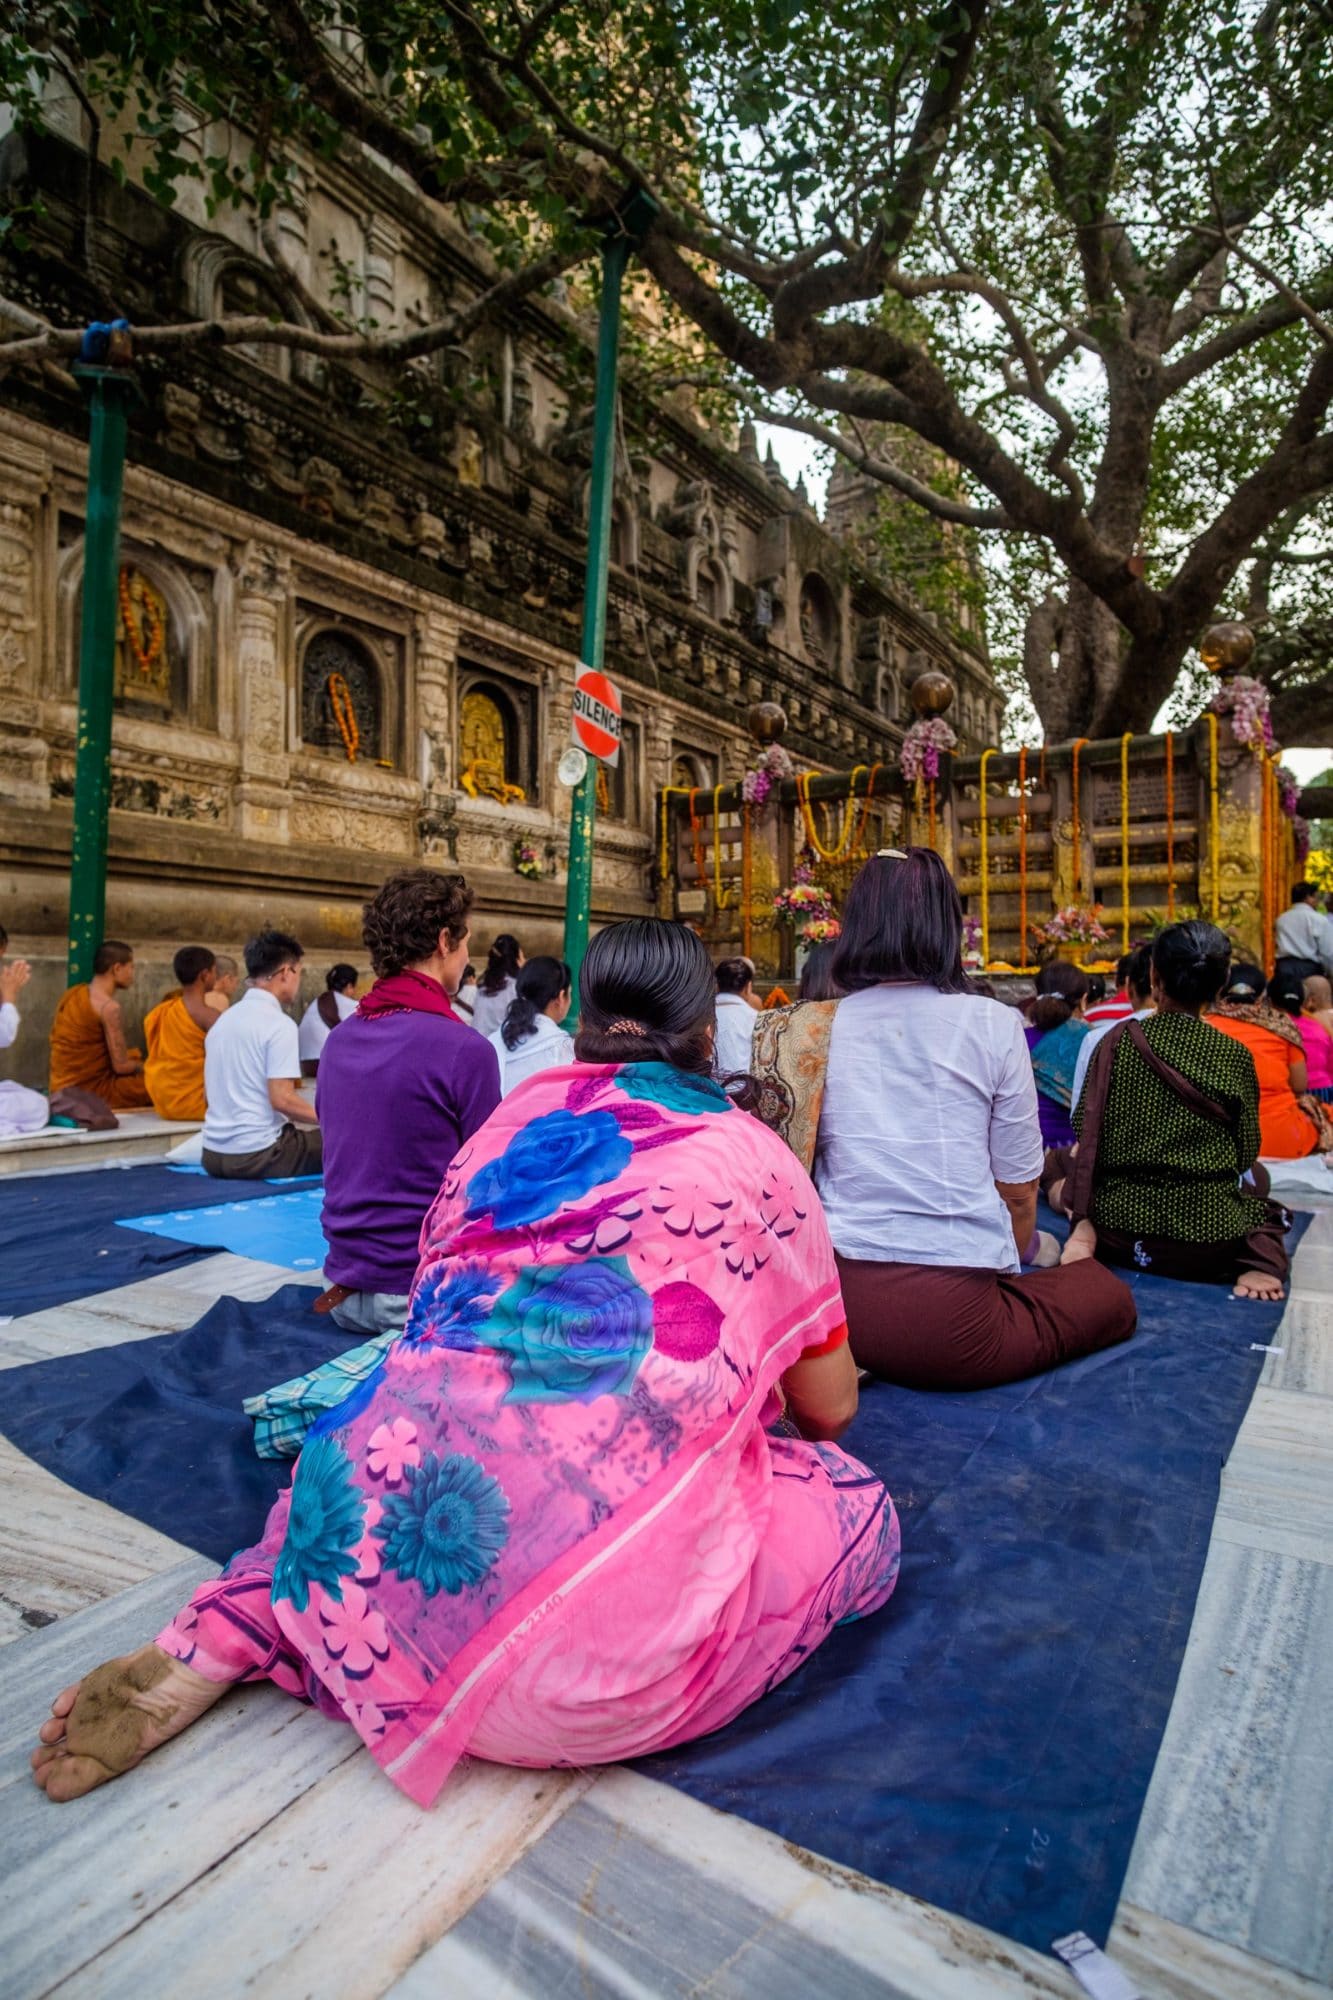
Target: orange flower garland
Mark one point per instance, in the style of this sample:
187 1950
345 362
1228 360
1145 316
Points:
696 840
344 714
1022 855
1170 825
147 652
842 847
859 842
1077 831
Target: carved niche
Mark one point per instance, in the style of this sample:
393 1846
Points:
819 623
496 737
342 696
708 554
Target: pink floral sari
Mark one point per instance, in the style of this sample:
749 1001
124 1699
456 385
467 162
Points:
554 1527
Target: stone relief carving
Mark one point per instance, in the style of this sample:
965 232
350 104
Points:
16 620
144 648
339 679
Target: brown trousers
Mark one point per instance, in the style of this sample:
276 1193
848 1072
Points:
297 1150
930 1326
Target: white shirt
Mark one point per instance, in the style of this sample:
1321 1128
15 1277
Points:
1301 932
1095 1034
9 1024
489 1009
735 1034
251 1043
314 1033
545 1046
929 1100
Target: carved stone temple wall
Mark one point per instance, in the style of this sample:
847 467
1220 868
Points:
318 560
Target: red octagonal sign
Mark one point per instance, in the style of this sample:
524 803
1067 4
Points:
597 715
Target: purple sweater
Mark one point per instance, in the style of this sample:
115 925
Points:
397 1097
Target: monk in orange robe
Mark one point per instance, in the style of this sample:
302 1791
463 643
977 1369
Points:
88 1046
174 1031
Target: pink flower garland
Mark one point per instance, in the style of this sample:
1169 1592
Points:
772 768
1246 701
920 754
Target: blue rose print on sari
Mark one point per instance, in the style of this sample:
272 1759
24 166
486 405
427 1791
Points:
572 1332
674 1089
448 1308
555 1159
448 1528
323 1527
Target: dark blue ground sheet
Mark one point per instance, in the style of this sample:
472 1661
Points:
984 1742
59 1234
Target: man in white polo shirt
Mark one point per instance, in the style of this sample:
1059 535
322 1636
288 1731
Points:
258 1126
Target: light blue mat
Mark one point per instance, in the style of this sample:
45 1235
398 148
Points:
276 1229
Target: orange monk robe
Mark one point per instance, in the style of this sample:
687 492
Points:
79 1055
174 1071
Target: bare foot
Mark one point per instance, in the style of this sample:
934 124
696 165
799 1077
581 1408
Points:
108 1722
1055 1197
1082 1243
1257 1285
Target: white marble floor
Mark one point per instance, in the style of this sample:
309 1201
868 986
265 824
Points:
264 1854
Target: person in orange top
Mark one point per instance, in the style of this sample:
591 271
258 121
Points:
88 1047
174 1031
1288 1128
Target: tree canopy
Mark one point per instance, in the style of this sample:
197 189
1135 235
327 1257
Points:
1075 254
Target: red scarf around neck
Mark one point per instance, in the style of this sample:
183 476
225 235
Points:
406 992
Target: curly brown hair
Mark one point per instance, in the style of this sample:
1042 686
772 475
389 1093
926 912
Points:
402 924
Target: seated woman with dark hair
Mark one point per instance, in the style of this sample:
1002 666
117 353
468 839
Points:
322 1016
1168 1122
1055 1033
1292 1124
559 1524
498 983
927 1150
532 1038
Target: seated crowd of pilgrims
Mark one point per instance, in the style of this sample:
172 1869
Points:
575 1496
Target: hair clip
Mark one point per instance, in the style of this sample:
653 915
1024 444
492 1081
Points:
890 854
624 1028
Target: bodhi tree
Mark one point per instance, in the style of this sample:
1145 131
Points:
1072 255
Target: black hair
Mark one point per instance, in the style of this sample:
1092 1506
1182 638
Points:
4 938
402 925
1060 987
983 988
1138 970
502 962
817 981
1287 992
647 994
467 977
1097 987
191 962
339 977
1303 892
902 922
733 975
1191 962
269 951
539 982
1122 968
111 952
1246 982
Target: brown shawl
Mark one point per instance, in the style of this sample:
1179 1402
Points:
789 1056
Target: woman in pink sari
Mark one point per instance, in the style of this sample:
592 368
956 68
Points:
565 1521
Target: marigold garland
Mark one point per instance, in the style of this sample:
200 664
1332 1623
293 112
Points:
1124 839
669 792
1214 819
840 850
696 840
1170 825
344 714
986 756
721 896
859 842
1265 857
747 877
1077 830
1022 852
148 652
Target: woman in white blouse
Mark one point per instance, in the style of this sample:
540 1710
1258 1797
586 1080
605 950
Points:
498 984
532 1037
322 1016
929 1154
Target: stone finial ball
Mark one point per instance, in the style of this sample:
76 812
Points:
932 692
1227 648
768 722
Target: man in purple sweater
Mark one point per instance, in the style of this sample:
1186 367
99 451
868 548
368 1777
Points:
403 1083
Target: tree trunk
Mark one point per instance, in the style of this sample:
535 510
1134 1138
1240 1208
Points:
1073 653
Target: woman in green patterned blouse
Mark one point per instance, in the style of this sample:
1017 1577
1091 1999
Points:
1168 1123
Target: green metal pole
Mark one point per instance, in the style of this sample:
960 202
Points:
583 812
109 390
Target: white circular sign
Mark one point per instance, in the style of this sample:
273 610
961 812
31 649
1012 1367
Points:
572 766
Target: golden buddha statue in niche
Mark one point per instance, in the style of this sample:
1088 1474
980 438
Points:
143 653
481 742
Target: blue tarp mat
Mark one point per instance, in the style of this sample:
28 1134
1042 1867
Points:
59 1238
986 1741
155 1427
282 1230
